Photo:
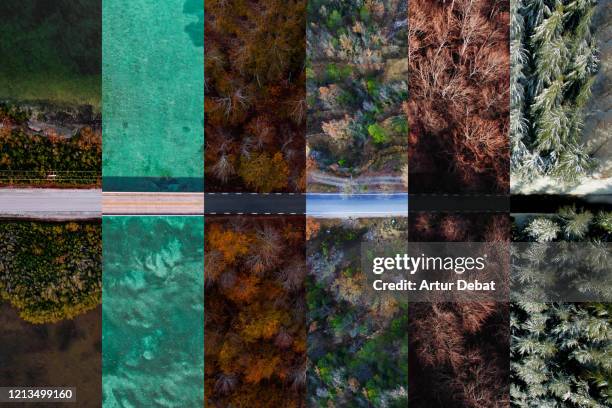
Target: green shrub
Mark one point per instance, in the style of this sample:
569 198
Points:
378 133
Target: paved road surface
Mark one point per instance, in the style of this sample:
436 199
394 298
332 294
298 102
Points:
64 204
152 203
50 203
75 204
357 205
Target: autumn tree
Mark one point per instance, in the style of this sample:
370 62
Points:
459 104
459 351
264 173
254 99
255 328
312 227
51 271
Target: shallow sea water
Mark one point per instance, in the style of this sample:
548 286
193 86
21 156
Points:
153 89
153 312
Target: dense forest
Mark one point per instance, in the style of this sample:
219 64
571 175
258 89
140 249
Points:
255 328
43 157
561 353
357 339
50 271
255 109
459 351
568 224
356 81
554 62
458 104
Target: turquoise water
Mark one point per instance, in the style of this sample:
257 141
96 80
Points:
153 312
153 89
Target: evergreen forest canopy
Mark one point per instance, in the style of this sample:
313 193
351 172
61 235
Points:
554 61
561 353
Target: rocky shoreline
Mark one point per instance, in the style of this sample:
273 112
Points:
43 118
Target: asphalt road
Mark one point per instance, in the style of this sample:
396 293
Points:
64 204
114 203
50 203
76 203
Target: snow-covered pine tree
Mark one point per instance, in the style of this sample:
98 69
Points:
568 224
523 161
561 353
554 60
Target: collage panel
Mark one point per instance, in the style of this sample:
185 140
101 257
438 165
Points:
458 106
255 110
560 350
357 338
255 321
560 106
50 170
316 114
356 93
153 311
50 93
459 351
560 139
50 306
153 96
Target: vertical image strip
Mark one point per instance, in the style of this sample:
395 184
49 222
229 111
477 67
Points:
459 96
356 86
255 326
458 109
357 180
50 170
153 98
561 120
153 311
255 110
459 351
50 313
357 337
